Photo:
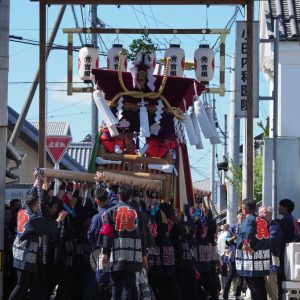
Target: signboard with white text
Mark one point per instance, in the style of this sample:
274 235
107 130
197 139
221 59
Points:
241 69
57 146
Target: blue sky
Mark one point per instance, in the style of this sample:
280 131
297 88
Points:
75 109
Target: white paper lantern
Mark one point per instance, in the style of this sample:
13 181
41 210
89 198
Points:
177 57
113 58
88 59
204 59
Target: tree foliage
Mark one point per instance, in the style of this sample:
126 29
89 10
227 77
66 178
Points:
236 180
144 42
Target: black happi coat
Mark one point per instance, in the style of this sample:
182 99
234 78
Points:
183 246
161 256
255 231
124 237
30 226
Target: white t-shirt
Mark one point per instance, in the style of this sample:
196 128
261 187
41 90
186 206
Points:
221 242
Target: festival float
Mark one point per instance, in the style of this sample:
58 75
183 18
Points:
142 141
145 119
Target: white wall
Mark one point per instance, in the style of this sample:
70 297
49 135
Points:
289 89
288 171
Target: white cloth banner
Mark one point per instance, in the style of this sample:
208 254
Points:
203 120
199 144
189 127
105 112
215 138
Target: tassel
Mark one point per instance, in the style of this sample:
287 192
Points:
144 121
199 144
203 119
190 129
105 112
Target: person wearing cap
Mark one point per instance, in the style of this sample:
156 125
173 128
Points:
31 225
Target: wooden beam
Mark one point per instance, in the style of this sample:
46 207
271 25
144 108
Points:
147 2
149 31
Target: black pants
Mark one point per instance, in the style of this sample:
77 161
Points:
26 280
257 287
207 280
187 282
122 284
59 275
165 287
239 286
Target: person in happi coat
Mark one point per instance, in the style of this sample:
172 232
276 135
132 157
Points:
31 225
96 240
124 239
162 278
231 242
275 238
184 257
203 231
290 232
253 254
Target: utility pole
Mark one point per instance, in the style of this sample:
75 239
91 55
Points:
249 120
94 113
275 121
225 137
4 60
247 173
213 163
26 106
234 151
42 94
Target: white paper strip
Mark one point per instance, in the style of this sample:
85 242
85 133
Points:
144 121
199 144
189 127
203 119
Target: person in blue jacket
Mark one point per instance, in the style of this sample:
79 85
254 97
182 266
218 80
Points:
231 242
31 225
96 240
253 255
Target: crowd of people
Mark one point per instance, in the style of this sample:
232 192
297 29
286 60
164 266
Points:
124 244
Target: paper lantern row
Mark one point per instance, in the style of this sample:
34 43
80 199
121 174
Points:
203 58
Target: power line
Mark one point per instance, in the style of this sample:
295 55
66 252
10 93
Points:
157 24
19 39
76 23
64 115
229 23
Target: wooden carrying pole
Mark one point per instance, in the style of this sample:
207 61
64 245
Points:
152 181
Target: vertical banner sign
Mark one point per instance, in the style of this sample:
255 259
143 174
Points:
57 146
241 69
